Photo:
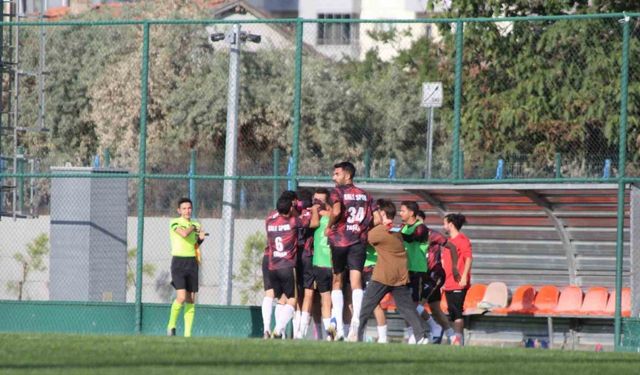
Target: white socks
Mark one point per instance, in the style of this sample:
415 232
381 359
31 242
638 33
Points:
304 325
284 313
356 296
267 310
296 324
382 334
337 306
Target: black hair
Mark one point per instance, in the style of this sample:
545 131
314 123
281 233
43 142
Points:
347 167
412 206
324 191
289 194
388 208
305 196
421 215
184 200
458 220
284 205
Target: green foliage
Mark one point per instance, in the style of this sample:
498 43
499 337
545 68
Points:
30 261
250 273
148 270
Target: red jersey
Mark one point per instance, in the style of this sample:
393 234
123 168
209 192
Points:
436 242
463 245
282 239
352 225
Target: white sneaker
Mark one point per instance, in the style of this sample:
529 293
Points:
383 340
411 340
422 341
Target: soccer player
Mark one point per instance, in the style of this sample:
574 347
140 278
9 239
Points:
347 233
304 268
414 235
390 274
267 301
438 321
323 276
456 291
282 239
184 234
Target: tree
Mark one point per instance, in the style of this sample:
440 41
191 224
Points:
33 260
148 270
250 273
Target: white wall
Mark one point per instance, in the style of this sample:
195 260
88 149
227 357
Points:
15 235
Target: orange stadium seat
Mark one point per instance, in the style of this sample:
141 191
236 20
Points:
570 301
546 300
595 301
475 294
388 303
521 303
626 303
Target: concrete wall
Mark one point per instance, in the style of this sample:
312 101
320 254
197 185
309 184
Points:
15 235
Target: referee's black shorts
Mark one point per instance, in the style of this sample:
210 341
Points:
184 273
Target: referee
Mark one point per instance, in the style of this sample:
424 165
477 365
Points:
186 235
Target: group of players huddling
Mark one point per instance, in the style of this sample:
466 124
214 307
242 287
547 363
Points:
341 242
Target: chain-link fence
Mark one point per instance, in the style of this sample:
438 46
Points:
524 99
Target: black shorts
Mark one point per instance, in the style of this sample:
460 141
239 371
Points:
184 273
305 269
455 301
266 282
283 281
323 279
433 283
416 281
367 273
351 257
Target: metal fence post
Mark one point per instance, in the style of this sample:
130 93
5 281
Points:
295 147
276 172
192 184
457 102
142 160
622 154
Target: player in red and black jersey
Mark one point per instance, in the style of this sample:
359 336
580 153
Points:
267 301
347 233
282 241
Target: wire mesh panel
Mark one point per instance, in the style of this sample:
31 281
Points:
539 95
633 105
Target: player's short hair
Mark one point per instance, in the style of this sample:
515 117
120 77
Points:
324 191
284 205
388 208
184 200
421 215
305 196
347 167
411 206
289 194
458 220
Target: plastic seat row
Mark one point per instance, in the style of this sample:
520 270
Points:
548 300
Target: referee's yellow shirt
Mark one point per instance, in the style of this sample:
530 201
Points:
183 246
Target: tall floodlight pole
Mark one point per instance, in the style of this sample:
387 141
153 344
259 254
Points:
235 37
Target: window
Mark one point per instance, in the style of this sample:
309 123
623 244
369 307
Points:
336 33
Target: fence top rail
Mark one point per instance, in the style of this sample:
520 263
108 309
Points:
304 20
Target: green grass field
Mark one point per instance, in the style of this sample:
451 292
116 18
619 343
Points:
75 354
